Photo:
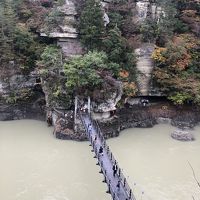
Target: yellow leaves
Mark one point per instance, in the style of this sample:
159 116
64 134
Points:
157 55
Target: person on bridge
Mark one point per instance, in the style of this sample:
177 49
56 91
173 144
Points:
114 169
95 139
101 150
118 185
89 129
89 125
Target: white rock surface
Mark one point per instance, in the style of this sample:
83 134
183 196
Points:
144 66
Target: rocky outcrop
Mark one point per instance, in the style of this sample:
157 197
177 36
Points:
107 99
66 32
188 120
21 97
64 126
144 117
106 19
127 118
70 46
34 110
146 8
182 135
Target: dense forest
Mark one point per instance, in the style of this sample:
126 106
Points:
108 50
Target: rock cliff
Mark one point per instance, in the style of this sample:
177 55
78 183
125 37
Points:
29 94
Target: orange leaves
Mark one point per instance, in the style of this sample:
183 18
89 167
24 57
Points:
185 42
189 13
183 63
130 88
177 55
124 74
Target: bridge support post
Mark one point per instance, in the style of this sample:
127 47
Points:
104 181
130 194
101 172
95 152
119 172
108 191
124 182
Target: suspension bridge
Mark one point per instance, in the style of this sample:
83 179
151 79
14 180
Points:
117 183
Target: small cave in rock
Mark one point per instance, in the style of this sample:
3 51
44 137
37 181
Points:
112 113
38 80
38 101
46 40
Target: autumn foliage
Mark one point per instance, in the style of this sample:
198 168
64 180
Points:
177 68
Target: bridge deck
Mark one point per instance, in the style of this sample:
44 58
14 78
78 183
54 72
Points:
106 161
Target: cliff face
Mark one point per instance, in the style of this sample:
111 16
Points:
26 93
66 32
21 97
142 11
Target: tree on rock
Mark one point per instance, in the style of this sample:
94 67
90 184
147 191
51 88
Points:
91 25
85 72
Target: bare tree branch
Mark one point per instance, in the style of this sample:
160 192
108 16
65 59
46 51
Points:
194 175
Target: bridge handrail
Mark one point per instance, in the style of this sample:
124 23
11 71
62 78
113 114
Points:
113 160
110 188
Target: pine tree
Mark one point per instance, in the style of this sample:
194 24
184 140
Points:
91 25
118 51
114 45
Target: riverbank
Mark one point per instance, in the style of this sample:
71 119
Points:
183 117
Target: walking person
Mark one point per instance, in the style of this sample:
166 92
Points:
89 129
95 139
114 169
118 186
101 150
89 125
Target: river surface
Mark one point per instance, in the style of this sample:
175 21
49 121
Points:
156 165
36 166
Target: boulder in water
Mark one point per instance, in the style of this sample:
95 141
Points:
182 135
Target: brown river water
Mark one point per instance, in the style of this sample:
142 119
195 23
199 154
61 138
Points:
36 166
